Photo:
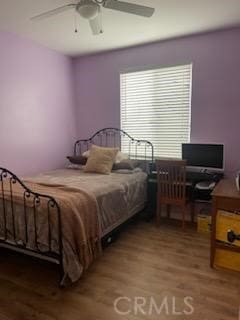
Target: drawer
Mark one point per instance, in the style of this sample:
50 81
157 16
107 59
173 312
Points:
227 260
226 221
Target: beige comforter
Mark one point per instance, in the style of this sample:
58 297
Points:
119 195
80 224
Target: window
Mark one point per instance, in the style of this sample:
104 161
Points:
156 106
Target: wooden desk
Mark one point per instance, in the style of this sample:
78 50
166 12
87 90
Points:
225 197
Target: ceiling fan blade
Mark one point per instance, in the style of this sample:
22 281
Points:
129 8
53 12
96 25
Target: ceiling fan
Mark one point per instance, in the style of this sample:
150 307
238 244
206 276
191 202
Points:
91 10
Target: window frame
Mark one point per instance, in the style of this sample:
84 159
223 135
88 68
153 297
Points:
156 67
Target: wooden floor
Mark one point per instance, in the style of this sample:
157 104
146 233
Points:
143 262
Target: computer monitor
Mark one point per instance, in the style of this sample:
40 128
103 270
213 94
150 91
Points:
205 156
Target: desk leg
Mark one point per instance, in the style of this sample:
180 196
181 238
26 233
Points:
192 208
213 233
158 215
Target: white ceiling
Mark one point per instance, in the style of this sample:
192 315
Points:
172 18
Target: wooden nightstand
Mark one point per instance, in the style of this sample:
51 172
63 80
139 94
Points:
226 201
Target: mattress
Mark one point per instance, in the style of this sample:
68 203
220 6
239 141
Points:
119 195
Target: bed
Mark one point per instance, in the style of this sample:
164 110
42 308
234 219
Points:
63 215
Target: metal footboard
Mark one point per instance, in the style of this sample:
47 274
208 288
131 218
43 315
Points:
10 218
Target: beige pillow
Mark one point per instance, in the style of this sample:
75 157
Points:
101 159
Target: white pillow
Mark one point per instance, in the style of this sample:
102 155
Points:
86 154
120 157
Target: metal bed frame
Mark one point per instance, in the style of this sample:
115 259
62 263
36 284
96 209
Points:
108 137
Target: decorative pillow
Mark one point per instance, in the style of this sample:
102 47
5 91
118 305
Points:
101 159
119 157
78 160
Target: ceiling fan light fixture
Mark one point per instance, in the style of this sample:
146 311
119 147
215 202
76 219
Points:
91 11
88 9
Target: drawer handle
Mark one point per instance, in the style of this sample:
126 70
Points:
232 236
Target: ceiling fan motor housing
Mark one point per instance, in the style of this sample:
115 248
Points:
88 9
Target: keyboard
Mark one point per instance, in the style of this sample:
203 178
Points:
198 176
201 176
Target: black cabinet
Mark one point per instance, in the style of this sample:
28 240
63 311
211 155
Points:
152 196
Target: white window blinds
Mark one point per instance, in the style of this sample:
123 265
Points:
156 106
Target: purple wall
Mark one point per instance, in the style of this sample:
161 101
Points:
38 110
216 81
37 107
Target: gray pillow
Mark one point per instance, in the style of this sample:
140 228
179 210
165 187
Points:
78 160
130 165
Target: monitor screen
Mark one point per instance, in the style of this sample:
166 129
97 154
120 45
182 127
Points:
203 155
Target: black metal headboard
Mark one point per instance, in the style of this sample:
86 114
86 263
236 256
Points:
113 137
